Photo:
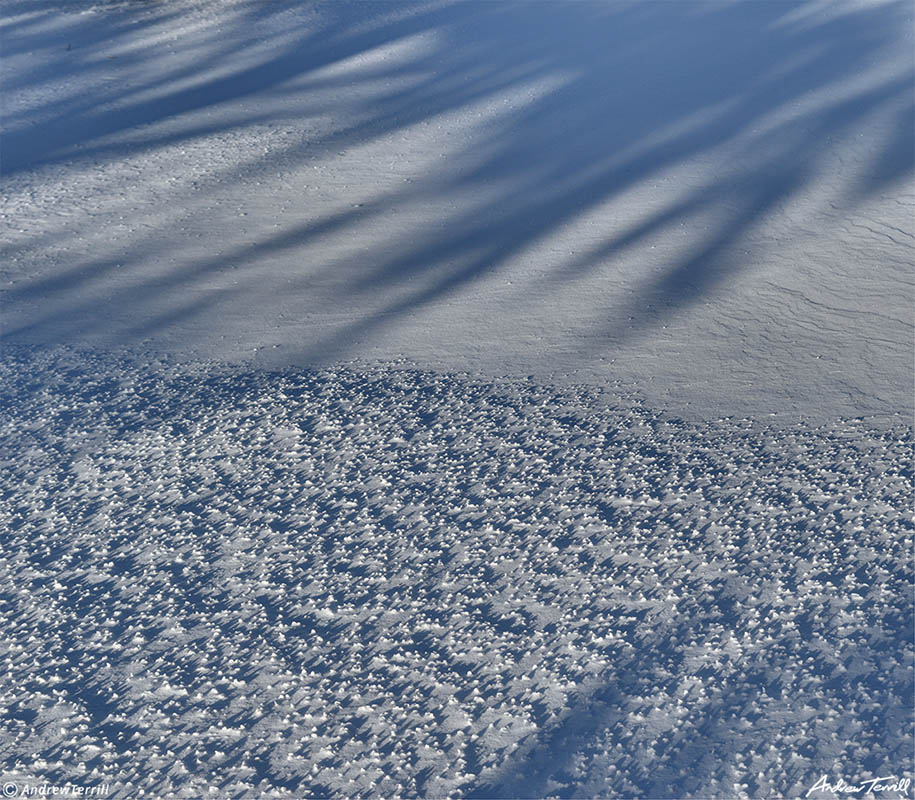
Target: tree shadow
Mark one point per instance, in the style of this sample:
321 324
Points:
240 551
633 745
568 115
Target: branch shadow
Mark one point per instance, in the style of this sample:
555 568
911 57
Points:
580 108
633 746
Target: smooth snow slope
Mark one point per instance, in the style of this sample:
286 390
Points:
710 200
393 583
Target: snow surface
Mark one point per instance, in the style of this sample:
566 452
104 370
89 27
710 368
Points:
710 200
384 582
475 399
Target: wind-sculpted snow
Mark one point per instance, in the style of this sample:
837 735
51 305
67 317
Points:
385 582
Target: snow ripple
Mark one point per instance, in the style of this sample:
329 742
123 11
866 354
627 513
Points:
387 582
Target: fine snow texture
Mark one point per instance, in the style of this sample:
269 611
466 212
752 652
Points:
712 200
613 497
383 582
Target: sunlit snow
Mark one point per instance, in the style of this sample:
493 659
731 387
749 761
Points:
491 399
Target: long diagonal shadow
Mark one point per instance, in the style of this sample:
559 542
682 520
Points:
579 107
745 707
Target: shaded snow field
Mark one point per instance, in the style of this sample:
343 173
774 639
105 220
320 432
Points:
376 581
711 199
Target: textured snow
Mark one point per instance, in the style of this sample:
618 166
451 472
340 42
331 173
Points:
456 399
373 581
